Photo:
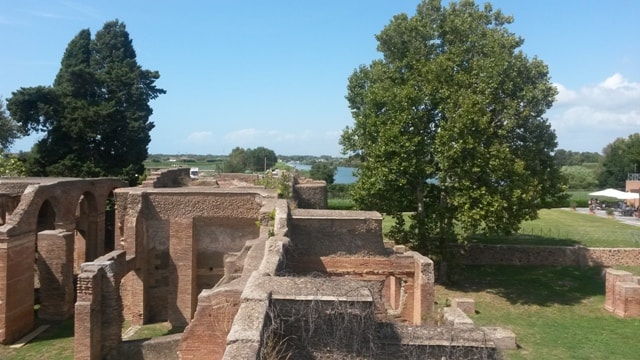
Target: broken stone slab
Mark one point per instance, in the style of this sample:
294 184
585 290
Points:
504 339
456 317
467 305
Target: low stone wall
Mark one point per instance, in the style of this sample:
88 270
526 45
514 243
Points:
480 254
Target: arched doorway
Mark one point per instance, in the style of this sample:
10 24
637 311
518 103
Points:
86 235
110 223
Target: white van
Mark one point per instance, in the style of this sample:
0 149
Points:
194 173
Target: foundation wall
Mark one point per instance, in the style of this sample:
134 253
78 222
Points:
328 232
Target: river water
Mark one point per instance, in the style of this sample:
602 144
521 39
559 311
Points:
344 175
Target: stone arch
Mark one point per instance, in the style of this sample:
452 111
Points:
46 216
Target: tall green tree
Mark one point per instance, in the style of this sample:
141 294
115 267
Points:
261 158
621 157
9 129
449 124
258 159
322 170
96 115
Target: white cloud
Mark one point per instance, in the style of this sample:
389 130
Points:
598 112
615 102
199 136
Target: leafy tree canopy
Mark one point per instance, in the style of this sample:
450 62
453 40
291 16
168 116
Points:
9 129
621 157
449 124
258 159
571 158
96 115
323 171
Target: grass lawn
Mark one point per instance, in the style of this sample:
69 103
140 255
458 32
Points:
564 228
555 312
55 343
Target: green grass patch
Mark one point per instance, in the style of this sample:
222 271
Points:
154 330
561 227
340 204
555 312
54 343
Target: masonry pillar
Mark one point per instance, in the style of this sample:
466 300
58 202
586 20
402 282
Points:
100 305
55 265
17 256
423 289
182 274
87 340
612 277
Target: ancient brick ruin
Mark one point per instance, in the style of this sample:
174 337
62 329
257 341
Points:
48 227
224 260
622 293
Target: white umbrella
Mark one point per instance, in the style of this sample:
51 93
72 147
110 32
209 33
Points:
616 194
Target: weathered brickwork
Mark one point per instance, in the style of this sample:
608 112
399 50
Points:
55 266
31 209
622 293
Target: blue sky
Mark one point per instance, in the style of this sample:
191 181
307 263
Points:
274 73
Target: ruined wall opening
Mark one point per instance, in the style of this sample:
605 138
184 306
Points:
110 223
85 236
215 239
46 217
46 221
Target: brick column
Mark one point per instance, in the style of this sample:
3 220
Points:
612 277
17 256
100 306
182 274
87 340
55 265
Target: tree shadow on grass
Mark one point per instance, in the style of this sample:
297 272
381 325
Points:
524 239
533 285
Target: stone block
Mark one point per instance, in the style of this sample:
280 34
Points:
612 277
455 317
504 339
467 305
627 303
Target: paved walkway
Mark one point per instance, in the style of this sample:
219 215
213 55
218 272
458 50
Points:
624 219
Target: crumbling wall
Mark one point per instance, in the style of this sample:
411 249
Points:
98 309
180 238
310 194
333 232
167 178
21 226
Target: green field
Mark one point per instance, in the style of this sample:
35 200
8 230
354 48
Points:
555 312
562 227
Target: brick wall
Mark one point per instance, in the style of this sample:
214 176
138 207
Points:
326 232
55 267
